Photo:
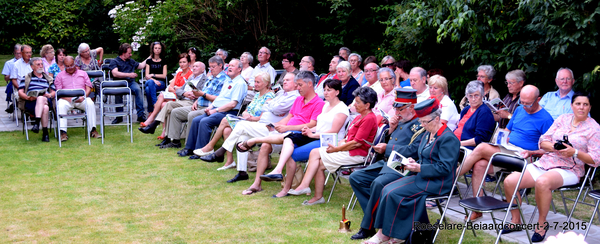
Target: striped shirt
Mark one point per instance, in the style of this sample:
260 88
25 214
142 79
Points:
36 83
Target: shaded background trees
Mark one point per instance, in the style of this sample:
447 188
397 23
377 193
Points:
454 35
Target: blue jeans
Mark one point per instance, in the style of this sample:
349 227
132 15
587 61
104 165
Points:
139 100
201 127
151 88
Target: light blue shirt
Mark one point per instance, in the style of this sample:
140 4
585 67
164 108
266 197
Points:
233 90
556 105
8 67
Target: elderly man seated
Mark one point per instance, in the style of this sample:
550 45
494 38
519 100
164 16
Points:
210 91
74 78
8 65
528 123
35 94
229 101
558 102
405 138
418 81
307 63
371 77
331 75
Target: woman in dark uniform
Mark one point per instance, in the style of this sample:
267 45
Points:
402 202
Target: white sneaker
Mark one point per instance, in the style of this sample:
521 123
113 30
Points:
200 153
225 167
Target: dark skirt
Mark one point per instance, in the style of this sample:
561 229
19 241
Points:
299 139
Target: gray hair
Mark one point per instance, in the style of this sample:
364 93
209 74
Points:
249 57
83 46
517 74
306 76
223 51
561 69
25 46
386 58
475 86
434 114
312 60
240 65
386 69
488 70
17 47
268 50
422 72
32 60
216 59
357 55
344 65
345 49
366 95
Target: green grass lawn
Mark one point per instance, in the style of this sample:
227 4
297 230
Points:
123 192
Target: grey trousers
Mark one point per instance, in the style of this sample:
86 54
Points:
178 117
165 112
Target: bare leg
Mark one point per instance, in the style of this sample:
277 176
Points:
160 103
45 116
272 139
261 164
509 188
313 165
218 134
319 182
226 132
289 178
284 156
40 103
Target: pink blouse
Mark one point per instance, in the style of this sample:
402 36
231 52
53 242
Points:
585 138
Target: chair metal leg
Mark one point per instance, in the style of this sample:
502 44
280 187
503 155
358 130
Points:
591 219
335 179
350 202
354 204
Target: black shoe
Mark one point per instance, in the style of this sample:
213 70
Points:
510 228
363 234
537 237
45 138
163 142
117 120
212 158
185 152
141 118
171 145
35 128
238 177
150 128
193 157
10 109
273 177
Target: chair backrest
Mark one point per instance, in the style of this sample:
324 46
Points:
70 93
509 162
94 73
114 83
382 131
107 60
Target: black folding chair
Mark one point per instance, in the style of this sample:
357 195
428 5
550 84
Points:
489 204
116 88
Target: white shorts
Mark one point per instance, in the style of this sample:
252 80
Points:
569 178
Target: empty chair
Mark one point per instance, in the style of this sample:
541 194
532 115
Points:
116 88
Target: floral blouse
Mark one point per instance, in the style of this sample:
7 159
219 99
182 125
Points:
585 137
54 70
255 107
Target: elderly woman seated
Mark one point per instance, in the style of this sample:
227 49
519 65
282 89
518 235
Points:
485 74
476 123
385 99
349 84
297 146
562 164
438 88
253 113
351 150
402 202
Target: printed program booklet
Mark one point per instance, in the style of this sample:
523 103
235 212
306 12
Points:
397 162
496 104
329 138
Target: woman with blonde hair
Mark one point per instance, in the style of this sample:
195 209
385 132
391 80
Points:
47 54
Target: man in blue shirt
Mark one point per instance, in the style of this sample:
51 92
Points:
229 101
559 102
124 67
528 123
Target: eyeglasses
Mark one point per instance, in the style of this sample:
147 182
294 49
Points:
510 83
285 61
156 43
388 65
370 70
423 122
385 79
193 49
70 67
481 76
400 109
474 96
526 105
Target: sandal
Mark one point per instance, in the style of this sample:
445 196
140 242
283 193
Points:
395 241
430 204
143 124
250 191
375 240
160 138
244 144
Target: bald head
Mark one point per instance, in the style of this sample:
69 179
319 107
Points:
530 91
418 79
530 98
70 64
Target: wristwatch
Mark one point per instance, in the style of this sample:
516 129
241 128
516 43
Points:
204 95
575 154
217 109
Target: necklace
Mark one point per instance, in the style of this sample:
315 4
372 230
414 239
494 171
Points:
573 123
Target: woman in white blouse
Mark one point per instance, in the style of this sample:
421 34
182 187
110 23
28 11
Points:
438 88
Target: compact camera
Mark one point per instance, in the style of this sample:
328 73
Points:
560 144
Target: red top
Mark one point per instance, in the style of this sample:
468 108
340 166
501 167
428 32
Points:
179 81
362 128
461 123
